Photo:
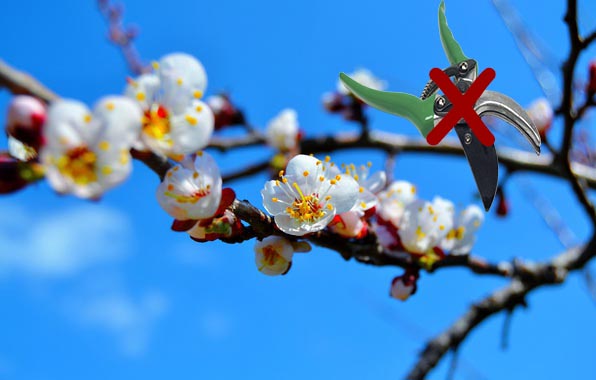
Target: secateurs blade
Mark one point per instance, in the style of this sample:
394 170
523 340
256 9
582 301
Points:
428 110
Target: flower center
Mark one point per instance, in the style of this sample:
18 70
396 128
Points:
270 256
79 165
192 198
307 208
156 122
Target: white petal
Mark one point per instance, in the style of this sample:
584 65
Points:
113 164
470 219
183 78
120 119
197 232
144 90
192 129
294 227
282 131
301 163
366 200
344 194
69 123
272 191
422 228
375 182
19 150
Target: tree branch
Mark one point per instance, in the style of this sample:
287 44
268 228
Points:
553 272
20 83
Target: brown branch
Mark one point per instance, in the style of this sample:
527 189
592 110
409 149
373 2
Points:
21 83
570 116
553 272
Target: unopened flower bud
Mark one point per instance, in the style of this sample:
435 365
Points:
25 119
226 114
503 204
541 113
402 287
592 77
333 102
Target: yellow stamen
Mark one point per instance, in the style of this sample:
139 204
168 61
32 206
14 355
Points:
191 120
104 145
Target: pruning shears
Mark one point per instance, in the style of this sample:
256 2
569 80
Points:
427 111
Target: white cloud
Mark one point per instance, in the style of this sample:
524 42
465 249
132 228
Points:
63 243
130 321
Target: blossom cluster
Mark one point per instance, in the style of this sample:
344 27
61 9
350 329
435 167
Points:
85 152
312 195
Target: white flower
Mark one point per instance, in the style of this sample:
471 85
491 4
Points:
282 130
176 122
273 255
307 198
87 153
364 77
541 113
424 224
394 200
191 189
462 236
368 186
403 287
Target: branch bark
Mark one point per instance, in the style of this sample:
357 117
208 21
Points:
513 295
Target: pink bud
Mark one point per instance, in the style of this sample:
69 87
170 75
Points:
333 102
592 77
541 113
226 114
402 287
25 119
503 205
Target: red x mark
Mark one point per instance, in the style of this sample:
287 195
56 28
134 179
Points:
463 107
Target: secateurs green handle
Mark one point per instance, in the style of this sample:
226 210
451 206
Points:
428 111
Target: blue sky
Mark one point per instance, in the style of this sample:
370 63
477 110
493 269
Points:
99 290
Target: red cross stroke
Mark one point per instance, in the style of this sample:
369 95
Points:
463 107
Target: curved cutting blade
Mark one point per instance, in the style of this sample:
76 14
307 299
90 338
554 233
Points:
483 162
419 112
501 106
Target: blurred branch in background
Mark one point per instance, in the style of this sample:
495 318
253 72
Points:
122 36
